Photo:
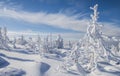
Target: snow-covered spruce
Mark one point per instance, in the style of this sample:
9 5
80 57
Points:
59 42
91 49
14 42
21 40
4 40
70 45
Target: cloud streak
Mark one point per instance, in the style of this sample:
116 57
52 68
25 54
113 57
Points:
111 29
59 20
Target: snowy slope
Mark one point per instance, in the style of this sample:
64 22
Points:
33 65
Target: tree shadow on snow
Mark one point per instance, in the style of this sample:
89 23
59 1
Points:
72 73
3 63
56 57
14 58
12 72
105 63
44 67
101 68
23 51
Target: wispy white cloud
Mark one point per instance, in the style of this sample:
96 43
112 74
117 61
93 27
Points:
111 29
59 20
9 4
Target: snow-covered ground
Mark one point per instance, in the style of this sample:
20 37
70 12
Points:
20 64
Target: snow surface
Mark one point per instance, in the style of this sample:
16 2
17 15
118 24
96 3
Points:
21 64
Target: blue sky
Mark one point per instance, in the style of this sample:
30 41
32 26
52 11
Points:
62 16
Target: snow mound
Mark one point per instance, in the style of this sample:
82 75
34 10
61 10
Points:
3 63
12 72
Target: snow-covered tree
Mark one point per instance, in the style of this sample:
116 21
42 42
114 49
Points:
31 45
51 42
93 42
70 45
119 46
89 50
5 35
1 39
39 46
59 42
4 40
14 43
38 42
45 45
21 40
48 44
